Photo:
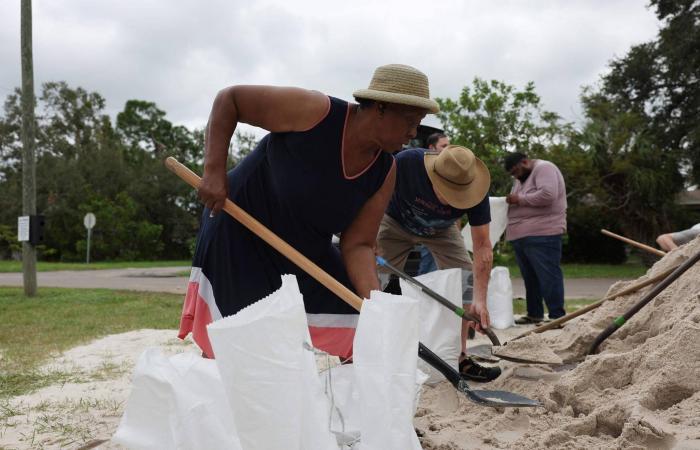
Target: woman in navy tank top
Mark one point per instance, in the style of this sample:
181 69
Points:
325 168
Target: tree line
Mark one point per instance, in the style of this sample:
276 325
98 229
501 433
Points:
637 147
87 163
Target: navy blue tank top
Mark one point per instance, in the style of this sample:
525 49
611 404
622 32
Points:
295 184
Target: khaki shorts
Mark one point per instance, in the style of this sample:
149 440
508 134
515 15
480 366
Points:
394 243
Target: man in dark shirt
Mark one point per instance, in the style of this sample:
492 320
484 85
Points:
433 191
436 142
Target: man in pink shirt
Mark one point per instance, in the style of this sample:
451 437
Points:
536 223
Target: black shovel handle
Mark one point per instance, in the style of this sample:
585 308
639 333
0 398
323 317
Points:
439 364
461 312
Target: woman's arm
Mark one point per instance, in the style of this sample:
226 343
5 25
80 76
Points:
358 242
269 107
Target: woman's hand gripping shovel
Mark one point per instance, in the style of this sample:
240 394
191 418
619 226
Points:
486 398
485 352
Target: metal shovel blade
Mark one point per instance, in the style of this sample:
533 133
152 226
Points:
480 397
496 398
484 352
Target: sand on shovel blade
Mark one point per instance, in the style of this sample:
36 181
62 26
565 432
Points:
531 347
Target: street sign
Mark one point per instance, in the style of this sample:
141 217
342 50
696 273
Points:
89 220
23 228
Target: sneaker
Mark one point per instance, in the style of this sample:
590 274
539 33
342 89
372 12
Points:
527 320
473 371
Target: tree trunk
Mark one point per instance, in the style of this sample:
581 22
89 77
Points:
28 145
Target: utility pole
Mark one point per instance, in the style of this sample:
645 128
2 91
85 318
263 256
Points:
28 145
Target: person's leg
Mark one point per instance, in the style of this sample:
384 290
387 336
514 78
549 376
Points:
449 251
533 297
544 254
394 243
427 262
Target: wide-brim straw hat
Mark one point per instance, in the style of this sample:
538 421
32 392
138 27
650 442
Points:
459 176
400 84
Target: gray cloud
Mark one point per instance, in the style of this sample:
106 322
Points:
180 53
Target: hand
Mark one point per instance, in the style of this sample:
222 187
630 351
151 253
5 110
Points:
213 190
479 310
512 199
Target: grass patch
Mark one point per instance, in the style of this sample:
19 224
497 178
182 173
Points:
37 328
570 305
43 266
592 270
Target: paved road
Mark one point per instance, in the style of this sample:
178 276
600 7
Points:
166 280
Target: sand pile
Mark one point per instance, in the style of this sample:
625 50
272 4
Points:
641 391
533 345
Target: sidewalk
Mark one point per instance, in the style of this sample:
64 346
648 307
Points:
165 280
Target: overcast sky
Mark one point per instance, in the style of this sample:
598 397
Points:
179 53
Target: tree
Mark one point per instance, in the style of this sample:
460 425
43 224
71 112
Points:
660 82
636 181
163 198
642 126
84 164
493 118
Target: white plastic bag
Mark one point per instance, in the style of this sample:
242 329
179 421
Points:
386 353
270 377
176 402
499 221
440 328
500 299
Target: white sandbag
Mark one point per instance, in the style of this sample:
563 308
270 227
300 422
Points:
270 377
500 299
385 359
346 411
499 221
440 328
176 402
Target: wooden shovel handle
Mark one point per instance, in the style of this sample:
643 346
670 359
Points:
271 238
579 312
634 243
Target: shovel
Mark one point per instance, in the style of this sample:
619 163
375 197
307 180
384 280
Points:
629 241
483 352
487 398
466 316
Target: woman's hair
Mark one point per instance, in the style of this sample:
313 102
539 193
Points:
434 138
364 102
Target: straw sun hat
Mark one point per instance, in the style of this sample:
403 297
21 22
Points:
458 175
396 83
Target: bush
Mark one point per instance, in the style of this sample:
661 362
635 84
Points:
585 243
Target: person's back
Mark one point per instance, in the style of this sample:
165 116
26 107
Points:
541 210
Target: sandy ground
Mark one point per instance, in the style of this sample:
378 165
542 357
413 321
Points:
642 390
78 414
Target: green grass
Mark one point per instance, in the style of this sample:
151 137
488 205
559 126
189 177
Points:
42 266
35 329
570 305
593 270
